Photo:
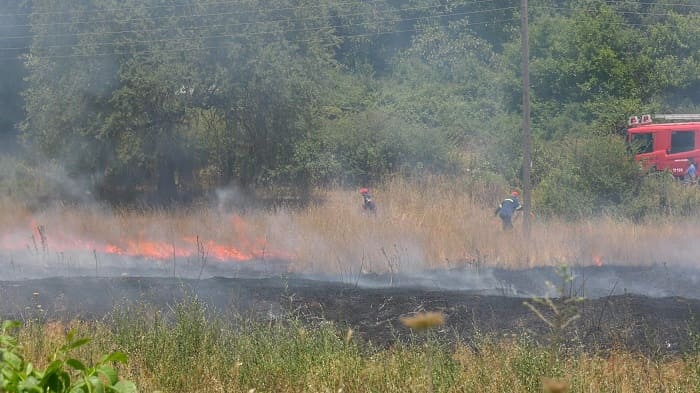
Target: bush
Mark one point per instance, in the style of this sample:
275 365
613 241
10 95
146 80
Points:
62 375
582 176
368 146
589 176
38 184
661 194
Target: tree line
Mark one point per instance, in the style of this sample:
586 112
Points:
175 99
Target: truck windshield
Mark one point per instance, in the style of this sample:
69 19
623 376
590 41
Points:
643 143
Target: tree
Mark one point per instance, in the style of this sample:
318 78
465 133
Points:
14 39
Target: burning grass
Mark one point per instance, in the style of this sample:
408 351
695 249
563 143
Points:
431 225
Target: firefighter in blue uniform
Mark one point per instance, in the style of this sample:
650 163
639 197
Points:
507 209
691 174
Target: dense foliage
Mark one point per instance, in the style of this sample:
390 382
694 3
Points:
63 374
174 99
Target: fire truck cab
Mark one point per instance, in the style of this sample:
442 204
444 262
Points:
665 146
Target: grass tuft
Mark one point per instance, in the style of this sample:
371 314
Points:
423 320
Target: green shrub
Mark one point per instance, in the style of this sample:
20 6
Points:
368 146
63 374
660 194
580 176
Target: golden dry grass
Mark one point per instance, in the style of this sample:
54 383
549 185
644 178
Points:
434 224
550 385
423 320
239 362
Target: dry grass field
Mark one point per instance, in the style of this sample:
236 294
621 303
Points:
434 224
431 225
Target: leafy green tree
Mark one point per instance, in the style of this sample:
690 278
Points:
599 64
165 101
133 98
454 83
14 39
368 146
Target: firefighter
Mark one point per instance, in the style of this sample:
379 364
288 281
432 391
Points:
507 209
367 201
691 174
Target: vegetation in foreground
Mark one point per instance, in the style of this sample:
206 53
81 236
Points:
186 350
62 374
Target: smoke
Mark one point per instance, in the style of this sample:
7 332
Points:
231 199
45 236
223 241
12 25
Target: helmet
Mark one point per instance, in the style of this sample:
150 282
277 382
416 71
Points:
514 193
364 191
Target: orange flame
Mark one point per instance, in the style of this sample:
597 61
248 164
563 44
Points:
248 247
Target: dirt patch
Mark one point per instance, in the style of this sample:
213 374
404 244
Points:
651 325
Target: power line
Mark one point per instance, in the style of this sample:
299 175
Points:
199 48
147 19
653 4
73 23
239 2
181 39
616 11
178 5
300 30
229 24
177 16
77 34
224 24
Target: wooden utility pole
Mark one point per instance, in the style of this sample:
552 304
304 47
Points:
527 146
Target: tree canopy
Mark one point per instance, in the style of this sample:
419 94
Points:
172 99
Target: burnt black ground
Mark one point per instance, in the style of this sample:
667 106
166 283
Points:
619 315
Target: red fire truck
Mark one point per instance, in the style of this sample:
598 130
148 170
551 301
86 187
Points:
666 146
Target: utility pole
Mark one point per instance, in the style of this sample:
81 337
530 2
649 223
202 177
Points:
527 146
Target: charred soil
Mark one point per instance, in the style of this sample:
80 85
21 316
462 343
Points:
653 325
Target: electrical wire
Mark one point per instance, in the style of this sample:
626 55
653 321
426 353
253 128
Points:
15 37
144 8
206 26
244 12
652 4
616 11
200 48
181 39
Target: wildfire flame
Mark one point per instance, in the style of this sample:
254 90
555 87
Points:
248 247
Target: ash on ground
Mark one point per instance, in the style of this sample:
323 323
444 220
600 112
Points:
617 310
